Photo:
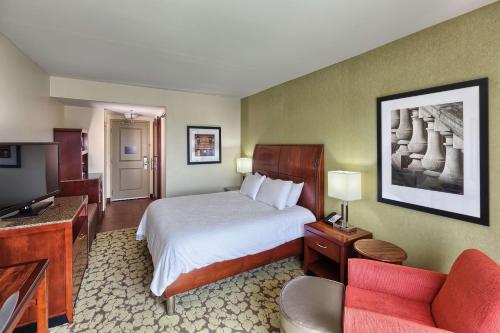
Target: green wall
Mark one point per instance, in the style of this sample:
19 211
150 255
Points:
336 106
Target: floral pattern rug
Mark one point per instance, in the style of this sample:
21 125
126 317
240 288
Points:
115 295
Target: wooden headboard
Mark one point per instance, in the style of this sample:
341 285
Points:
298 163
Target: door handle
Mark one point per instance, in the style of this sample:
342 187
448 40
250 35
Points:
146 162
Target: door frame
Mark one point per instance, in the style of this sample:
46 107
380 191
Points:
150 146
156 161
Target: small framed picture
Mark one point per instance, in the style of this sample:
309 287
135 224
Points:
204 144
10 156
433 150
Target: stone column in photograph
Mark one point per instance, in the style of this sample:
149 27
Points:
401 158
453 165
433 160
418 142
394 128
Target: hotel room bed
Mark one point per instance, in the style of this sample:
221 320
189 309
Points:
201 239
186 233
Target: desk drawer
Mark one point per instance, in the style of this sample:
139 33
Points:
323 246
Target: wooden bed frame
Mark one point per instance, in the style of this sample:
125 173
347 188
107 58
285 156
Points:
299 163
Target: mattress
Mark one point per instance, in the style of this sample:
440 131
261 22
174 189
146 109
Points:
190 232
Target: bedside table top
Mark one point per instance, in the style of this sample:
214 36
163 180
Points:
329 232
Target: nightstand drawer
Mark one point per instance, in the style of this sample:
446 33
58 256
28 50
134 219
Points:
323 246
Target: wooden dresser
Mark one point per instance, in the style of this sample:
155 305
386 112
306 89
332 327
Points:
59 235
90 185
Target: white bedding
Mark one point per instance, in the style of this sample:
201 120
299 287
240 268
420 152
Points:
185 233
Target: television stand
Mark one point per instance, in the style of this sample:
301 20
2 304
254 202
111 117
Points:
35 209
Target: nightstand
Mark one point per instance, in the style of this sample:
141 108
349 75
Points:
327 249
231 188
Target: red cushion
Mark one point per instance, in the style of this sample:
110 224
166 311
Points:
469 300
389 305
407 282
363 321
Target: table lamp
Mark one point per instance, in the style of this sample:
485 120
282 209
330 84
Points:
346 186
244 165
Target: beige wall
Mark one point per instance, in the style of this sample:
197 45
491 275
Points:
26 111
182 109
336 106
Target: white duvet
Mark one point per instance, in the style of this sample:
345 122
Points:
185 233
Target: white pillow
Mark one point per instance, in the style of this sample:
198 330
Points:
274 192
294 195
251 185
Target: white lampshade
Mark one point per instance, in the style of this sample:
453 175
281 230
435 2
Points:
344 185
244 165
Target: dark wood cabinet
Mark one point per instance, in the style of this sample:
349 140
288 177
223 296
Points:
56 235
327 249
73 152
91 186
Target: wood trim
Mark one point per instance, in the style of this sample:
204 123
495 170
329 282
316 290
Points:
68 237
220 270
29 280
157 153
42 307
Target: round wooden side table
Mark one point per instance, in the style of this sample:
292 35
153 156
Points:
380 250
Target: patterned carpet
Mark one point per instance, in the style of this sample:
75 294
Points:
115 295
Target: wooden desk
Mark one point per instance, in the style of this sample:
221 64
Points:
60 235
326 250
30 281
380 250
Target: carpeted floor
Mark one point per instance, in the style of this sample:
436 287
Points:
115 295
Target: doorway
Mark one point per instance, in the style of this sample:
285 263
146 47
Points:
130 159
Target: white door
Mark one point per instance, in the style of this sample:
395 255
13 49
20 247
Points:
129 159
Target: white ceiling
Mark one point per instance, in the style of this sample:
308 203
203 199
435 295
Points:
228 47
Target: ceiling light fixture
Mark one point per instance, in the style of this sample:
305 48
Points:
131 116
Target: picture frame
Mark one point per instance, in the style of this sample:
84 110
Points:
10 156
432 150
204 145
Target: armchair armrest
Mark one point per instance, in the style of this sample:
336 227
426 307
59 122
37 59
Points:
408 282
362 321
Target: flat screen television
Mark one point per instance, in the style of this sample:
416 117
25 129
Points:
29 173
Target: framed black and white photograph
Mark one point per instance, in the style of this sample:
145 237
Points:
204 144
433 150
10 156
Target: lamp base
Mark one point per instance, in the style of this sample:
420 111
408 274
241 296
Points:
347 228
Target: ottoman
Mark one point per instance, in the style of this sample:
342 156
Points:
311 304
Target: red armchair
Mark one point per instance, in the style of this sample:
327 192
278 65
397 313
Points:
390 298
